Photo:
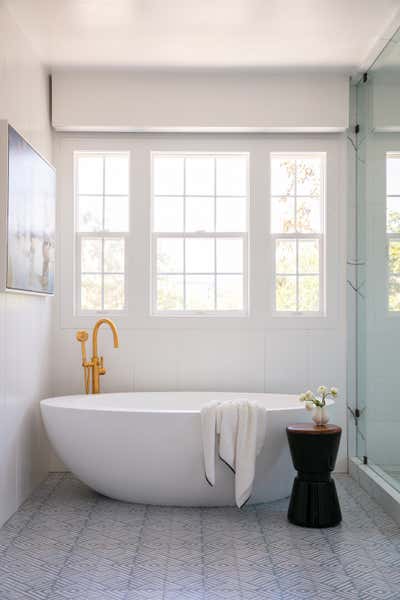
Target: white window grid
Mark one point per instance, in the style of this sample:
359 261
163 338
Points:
297 236
391 237
101 234
184 235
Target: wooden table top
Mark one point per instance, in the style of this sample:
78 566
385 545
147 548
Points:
312 429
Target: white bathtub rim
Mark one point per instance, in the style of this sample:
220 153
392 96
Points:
61 402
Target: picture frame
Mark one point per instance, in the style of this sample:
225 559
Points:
27 216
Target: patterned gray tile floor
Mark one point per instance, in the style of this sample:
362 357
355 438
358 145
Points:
67 542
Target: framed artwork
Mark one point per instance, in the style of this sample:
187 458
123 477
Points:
27 205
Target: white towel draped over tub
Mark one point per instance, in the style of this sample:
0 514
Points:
239 427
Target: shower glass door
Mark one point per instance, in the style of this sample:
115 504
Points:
376 277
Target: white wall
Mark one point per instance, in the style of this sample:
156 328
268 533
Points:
25 321
259 353
85 100
255 355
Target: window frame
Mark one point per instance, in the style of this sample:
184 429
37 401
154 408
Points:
296 237
260 267
184 235
101 234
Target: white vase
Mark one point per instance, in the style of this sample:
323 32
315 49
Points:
320 415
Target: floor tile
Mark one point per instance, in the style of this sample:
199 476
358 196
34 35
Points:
68 543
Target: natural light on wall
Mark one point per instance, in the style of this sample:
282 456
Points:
199 241
297 228
393 228
101 228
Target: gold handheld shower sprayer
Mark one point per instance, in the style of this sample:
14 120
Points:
95 367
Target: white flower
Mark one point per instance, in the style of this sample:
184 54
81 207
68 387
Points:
322 390
302 397
309 405
309 395
334 392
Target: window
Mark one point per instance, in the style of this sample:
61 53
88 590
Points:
199 241
297 228
101 230
393 229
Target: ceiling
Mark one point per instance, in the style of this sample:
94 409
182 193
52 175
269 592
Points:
268 34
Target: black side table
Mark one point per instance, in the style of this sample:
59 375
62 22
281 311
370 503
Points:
314 501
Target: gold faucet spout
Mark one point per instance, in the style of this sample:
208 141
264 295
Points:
96 331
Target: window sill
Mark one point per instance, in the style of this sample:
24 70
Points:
298 315
201 314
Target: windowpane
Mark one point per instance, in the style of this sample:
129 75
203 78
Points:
394 293
297 209
393 176
90 174
91 255
116 215
199 213
393 214
113 292
194 196
309 256
286 293
308 215
91 292
199 255
200 176
170 255
394 256
200 292
90 213
114 255
282 215
282 176
168 213
229 292
102 205
170 292
231 214
309 293
308 176
231 176
117 174
285 257
229 256
168 176
393 228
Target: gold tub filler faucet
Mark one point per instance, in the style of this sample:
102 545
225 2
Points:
95 367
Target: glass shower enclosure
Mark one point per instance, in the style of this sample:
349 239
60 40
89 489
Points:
374 265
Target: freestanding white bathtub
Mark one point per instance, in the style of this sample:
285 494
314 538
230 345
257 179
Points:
146 447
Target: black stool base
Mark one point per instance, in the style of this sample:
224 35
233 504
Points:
314 504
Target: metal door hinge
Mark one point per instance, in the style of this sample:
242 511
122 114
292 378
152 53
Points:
356 412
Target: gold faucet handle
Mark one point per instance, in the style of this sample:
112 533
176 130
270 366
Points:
102 370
